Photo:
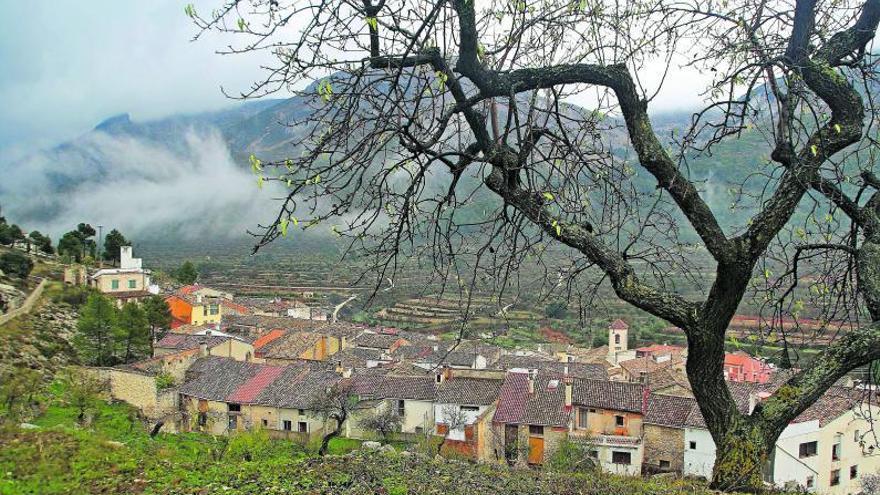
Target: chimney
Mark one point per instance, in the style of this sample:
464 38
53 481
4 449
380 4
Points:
646 394
568 391
203 348
565 370
198 298
532 374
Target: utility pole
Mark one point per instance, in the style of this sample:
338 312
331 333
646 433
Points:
100 247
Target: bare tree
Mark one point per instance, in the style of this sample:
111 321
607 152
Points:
445 131
453 418
384 422
336 406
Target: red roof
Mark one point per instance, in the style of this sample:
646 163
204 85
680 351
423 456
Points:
236 308
618 324
249 390
189 289
268 337
660 349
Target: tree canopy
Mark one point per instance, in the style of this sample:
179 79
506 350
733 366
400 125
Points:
78 244
16 264
112 242
445 131
187 273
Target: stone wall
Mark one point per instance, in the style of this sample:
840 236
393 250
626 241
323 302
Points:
27 305
139 389
663 444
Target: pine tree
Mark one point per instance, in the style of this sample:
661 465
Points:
132 332
95 331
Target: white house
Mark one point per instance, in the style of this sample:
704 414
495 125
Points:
461 401
825 450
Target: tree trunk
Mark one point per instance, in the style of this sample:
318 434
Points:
325 442
741 457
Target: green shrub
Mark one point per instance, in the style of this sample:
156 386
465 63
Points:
164 381
16 264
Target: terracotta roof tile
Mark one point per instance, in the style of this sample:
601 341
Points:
618 324
546 406
249 390
668 410
604 394
472 391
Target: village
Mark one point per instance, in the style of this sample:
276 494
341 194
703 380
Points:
232 363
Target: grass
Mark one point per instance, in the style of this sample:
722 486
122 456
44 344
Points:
116 455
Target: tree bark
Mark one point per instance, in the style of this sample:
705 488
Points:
325 442
741 457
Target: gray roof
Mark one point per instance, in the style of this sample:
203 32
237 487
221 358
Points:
469 391
376 340
604 394
406 387
669 410
546 406
227 380
578 370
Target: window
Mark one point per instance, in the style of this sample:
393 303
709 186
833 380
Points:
301 412
835 477
693 445
114 284
203 419
214 309
536 430
582 418
593 454
469 408
835 452
808 449
617 338
621 458
811 481
853 472
401 407
664 464
132 284
265 422
234 407
618 420
233 422
302 427
287 425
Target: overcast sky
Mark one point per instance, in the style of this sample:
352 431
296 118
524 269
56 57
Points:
69 64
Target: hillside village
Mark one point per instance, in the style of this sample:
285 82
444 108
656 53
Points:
229 364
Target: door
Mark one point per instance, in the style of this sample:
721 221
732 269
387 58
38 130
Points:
536 450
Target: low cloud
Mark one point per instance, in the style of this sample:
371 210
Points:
141 187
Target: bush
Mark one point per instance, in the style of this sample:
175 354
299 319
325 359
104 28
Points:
16 264
164 381
75 296
572 457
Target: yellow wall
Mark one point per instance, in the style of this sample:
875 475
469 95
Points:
602 422
104 283
251 418
201 314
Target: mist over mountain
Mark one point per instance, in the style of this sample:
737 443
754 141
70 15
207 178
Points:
186 176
